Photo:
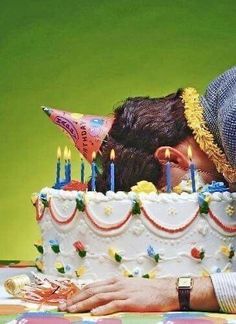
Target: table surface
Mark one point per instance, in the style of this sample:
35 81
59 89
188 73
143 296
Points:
49 315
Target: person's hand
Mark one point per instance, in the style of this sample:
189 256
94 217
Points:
125 295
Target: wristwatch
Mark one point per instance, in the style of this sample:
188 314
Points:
184 286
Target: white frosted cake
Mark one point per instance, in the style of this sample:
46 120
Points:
94 236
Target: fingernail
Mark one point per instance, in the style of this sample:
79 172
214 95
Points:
95 311
71 308
62 306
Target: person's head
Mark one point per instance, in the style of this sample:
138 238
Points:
142 128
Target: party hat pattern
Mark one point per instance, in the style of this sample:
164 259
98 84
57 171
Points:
86 131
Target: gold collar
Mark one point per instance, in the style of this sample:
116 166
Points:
194 115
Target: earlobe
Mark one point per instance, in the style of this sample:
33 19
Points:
176 156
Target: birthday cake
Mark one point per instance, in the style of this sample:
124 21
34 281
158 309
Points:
91 235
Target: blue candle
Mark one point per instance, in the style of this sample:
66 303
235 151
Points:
82 170
58 165
69 166
168 171
65 156
192 169
94 172
112 171
192 173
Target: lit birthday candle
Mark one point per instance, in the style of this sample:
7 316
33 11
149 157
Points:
94 171
69 166
112 171
58 165
168 171
81 169
192 169
65 157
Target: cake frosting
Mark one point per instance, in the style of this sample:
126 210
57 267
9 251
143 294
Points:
91 236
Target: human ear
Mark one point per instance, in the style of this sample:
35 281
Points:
176 156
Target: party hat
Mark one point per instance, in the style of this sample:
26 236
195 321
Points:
86 131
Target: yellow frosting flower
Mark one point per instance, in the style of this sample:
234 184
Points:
39 264
144 186
111 252
205 273
127 273
34 198
59 265
225 250
152 274
38 242
178 189
207 199
114 254
80 271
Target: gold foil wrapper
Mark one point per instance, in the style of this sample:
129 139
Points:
15 285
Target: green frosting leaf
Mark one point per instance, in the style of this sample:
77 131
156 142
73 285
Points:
231 254
61 270
39 248
55 248
156 257
45 202
202 255
82 254
204 207
136 208
118 258
80 204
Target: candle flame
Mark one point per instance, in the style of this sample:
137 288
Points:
65 154
190 154
93 155
167 153
58 153
69 154
112 154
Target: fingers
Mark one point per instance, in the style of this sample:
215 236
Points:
95 301
112 307
90 291
99 287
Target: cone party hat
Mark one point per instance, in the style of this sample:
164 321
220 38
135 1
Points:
86 131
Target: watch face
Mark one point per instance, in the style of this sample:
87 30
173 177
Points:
184 282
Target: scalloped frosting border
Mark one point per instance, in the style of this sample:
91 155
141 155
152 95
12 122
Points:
166 229
116 226
39 217
226 228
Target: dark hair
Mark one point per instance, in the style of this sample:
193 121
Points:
141 125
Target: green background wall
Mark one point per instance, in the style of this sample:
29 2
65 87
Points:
86 56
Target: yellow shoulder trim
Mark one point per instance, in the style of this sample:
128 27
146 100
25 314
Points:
194 115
